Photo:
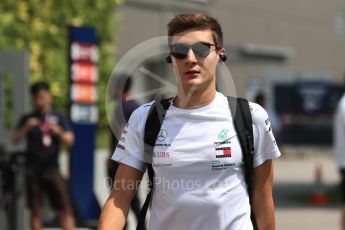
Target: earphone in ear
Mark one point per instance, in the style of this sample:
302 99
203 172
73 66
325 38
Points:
223 57
168 59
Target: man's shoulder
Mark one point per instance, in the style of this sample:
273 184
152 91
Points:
28 115
255 107
141 112
259 114
58 114
60 118
130 104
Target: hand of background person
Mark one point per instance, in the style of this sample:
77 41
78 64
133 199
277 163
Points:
55 129
32 122
22 132
66 136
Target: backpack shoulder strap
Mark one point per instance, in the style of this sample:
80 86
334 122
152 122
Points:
242 119
153 124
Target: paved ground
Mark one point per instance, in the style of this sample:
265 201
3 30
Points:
295 183
297 178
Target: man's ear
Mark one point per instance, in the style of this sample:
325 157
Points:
222 55
168 59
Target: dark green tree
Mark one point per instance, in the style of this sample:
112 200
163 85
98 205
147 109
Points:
41 27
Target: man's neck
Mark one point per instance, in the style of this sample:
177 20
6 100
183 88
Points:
126 96
194 99
45 110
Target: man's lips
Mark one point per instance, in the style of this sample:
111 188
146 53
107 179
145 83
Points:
191 72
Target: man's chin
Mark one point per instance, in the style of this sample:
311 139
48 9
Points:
193 86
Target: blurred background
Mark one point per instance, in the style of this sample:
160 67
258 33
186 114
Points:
289 52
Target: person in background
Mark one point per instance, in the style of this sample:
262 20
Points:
45 130
276 122
339 148
121 116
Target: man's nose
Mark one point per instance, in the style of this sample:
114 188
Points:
191 58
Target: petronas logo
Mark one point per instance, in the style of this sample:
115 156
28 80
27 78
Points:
223 135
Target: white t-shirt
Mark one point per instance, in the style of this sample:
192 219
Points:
339 133
199 181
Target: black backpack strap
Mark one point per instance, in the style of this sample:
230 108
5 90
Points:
242 119
153 125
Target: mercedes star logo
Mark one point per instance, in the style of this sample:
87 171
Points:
162 135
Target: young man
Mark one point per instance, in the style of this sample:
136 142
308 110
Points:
44 130
191 191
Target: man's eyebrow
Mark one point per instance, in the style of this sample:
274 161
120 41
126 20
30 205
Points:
209 42
187 43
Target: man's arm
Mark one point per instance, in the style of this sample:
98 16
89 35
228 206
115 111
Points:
23 130
65 135
115 209
262 203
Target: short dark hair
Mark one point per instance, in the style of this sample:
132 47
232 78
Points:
124 81
187 21
260 98
128 85
38 86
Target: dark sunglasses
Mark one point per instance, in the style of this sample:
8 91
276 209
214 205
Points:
200 49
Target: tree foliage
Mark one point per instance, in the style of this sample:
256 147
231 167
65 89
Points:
41 27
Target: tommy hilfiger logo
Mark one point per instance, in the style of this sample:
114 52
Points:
224 152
